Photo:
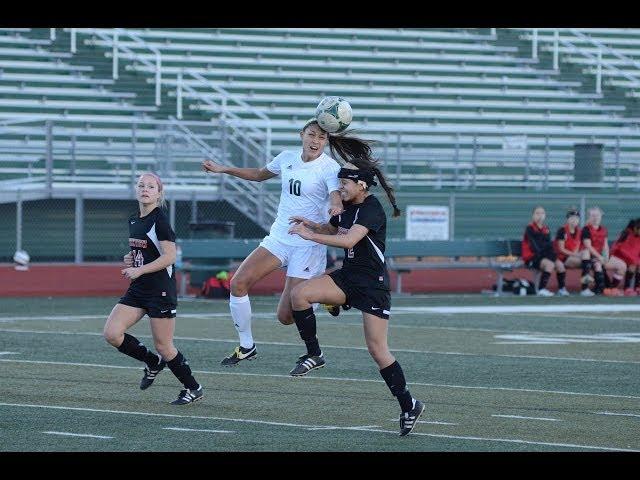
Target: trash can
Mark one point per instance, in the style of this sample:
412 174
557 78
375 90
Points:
587 164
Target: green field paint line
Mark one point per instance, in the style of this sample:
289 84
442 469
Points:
528 418
341 379
523 309
323 427
178 429
341 347
69 434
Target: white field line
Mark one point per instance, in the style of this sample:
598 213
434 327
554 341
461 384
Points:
528 418
523 309
618 414
342 347
333 379
69 434
395 420
332 427
564 316
9 353
178 429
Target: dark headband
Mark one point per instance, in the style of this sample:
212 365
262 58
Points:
573 213
357 175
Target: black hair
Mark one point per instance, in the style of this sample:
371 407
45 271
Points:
633 223
357 151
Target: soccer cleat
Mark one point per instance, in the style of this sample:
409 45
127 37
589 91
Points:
544 293
188 396
239 354
630 292
409 419
150 374
332 309
563 292
305 365
586 293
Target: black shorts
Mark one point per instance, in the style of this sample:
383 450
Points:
155 306
375 301
535 261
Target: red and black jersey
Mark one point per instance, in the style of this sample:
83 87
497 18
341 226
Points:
627 247
598 236
536 242
572 242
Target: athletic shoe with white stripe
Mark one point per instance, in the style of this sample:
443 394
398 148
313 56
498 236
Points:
409 419
305 365
150 375
188 396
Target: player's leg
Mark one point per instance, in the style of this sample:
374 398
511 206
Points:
375 334
561 276
599 275
284 312
256 266
323 290
617 269
162 330
121 318
546 267
629 279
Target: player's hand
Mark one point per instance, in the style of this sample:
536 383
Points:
211 166
128 260
131 273
304 221
300 229
336 209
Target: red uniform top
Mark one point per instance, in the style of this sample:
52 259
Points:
535 241
573 243
596 235
627 248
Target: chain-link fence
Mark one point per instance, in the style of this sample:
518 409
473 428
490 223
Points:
95 230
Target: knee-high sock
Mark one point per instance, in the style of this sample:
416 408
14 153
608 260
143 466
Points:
135 349
241 313
586 266
544 278
561 279
181 369
599 276
306 323
628 276
394 378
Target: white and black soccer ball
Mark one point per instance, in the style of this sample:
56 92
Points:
334 114
21 257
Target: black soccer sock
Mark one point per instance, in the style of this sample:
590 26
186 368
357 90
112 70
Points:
543 280
614 282
561 279
181 369
637 284
306 323
628 276
134 348
599 276
586 266
394 378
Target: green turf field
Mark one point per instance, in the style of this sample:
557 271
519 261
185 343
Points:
493 379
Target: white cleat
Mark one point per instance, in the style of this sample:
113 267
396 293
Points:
586 293
544 293
563 292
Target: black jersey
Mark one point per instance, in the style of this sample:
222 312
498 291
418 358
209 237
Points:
145 235
365 262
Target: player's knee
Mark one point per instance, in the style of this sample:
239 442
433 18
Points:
165 349
285 318
379 351
239 286
298 297
113 336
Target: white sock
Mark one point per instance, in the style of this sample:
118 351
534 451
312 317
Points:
315 306
241 313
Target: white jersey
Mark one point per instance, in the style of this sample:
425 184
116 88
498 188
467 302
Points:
305 191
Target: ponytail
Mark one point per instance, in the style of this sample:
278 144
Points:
358 152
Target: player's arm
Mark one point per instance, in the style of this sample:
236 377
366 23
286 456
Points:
324 228
335 203
605 249
167 257
252 174
537 249
354 235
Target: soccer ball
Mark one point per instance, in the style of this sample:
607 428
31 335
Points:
334 114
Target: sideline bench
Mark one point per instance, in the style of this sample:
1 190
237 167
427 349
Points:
220 254
488 250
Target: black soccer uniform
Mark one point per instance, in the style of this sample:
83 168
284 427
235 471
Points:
364 277
155 292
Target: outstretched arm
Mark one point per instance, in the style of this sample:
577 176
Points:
324 228
252 174
353 236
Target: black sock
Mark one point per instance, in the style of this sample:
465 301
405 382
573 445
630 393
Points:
628 276
181 369
586 266
306 323
134 348
637 284
561 277
614 282
599 276
394 378
543 280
